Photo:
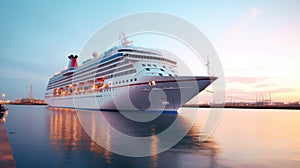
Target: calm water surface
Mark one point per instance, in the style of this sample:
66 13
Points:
50 137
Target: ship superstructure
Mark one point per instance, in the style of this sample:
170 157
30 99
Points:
123 78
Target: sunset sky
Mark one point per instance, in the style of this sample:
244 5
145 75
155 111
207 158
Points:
258 42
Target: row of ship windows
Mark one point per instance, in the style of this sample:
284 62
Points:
150 58
104 69
51 86
116 75
138 51
100 63
82 73
92 66
105 73
153 65
123 81
88 89
148 69
109 72
160 74
83 70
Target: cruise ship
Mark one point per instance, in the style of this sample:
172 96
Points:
124 78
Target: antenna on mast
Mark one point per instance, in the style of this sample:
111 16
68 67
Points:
208 66
270 98
124 40
30 92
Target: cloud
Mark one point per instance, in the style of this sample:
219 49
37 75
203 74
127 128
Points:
237 28
23 75
246 80
264 85
285 38
283 90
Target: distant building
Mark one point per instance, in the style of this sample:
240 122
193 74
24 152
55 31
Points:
29 99
278 103
294 104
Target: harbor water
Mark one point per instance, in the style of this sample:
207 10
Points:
40 136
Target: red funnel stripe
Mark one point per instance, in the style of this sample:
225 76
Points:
73 61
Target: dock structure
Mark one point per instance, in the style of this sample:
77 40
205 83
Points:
6 156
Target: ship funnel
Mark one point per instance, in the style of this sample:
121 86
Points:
73 62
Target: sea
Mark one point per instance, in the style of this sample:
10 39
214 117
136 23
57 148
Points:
40 136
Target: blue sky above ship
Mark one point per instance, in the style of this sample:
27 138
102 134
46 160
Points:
257 41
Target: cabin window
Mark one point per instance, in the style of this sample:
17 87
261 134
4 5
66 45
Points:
152 83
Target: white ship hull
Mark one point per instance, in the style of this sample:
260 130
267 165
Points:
167 94
124 78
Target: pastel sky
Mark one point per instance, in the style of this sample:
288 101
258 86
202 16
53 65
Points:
258 42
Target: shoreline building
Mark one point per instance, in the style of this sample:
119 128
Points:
29 99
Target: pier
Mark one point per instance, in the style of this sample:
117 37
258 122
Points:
6 157
244 106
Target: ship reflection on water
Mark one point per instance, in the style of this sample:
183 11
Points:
67 134
40 136
71 134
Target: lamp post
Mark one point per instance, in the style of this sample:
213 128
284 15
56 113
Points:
3 96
